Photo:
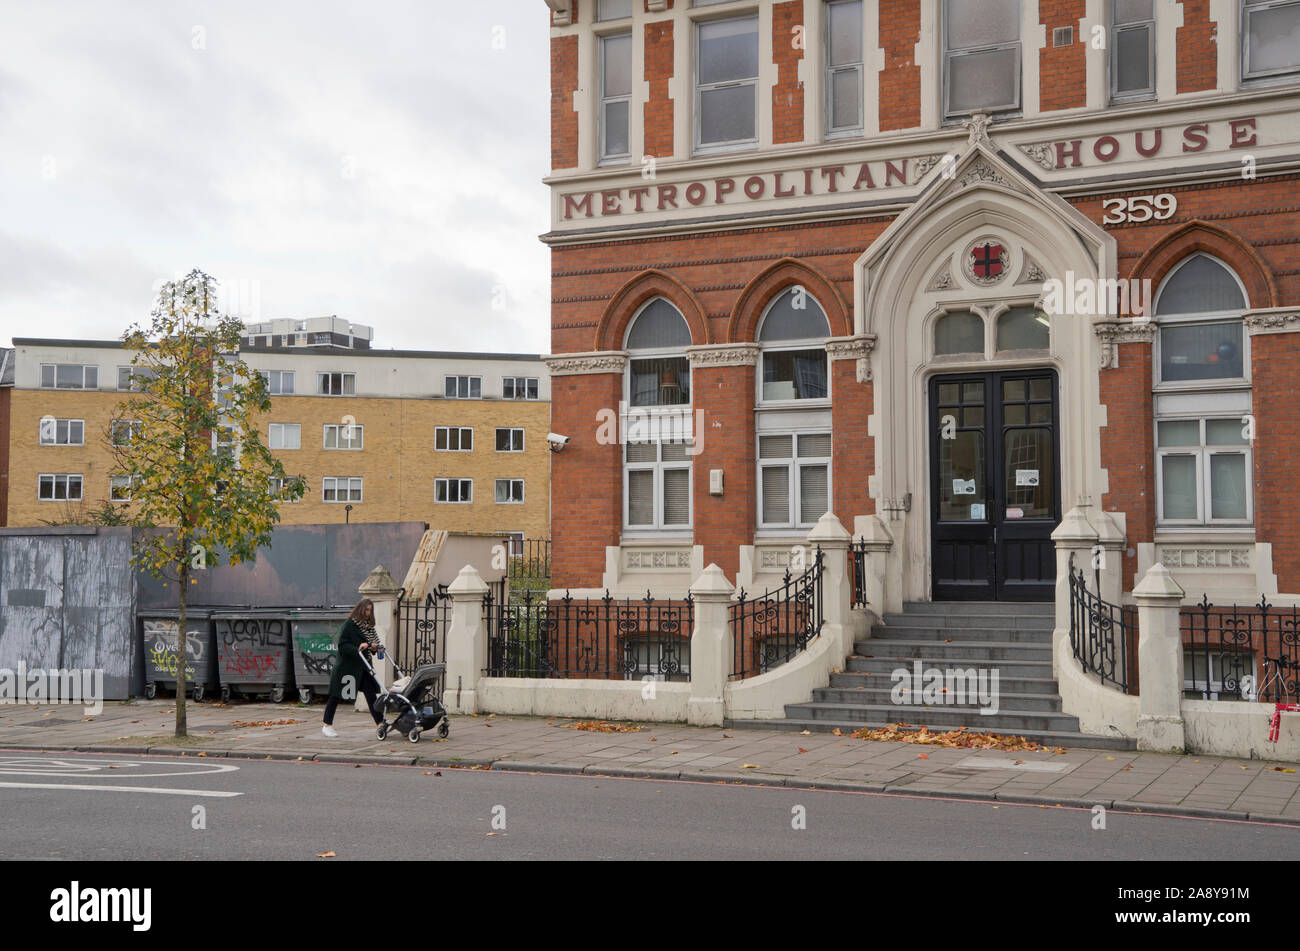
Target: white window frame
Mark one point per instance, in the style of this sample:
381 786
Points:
828 77
511 430
446 483
116 482
279 376
510 491
277 487
530 383
345 378
1204 455
733 145
68 424
355 433
87 370
470 382
67 486
1263 77
133 427
951 117
1208 317
283 427
460 438
1131 95
783 346
794 477
332 484
659 467
607 157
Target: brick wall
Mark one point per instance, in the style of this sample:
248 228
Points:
564 120
1062 79
1197 48
658 112
5 397
724 523
854 459
1126 452
787 94
1275 368
900 79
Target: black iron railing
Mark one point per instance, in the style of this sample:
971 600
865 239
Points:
530 563
595 638
422 623
1241 653
1103 636
858 571
774 627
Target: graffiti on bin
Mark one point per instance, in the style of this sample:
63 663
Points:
319 653
255 632
237 661
160 638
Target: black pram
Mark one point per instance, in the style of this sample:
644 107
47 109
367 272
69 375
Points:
414 702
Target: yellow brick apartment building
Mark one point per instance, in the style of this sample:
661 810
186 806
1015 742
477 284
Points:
457 440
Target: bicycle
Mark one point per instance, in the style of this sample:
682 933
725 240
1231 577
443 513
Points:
1274 668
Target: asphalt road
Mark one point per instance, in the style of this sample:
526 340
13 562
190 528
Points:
102 807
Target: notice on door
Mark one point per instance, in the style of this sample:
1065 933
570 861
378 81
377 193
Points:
1026 477
1015 513
977 511
963 486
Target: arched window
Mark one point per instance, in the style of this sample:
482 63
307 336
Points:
959 333
1202 439
658 372
794 441
793 334
1023 328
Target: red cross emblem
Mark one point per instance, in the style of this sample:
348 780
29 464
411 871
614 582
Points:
988 260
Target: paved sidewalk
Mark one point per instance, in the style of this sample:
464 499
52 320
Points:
1128 781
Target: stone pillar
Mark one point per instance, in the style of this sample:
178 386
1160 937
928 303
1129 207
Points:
712 648
837 593
467 642
380 588
884 578
1160 662
1074 536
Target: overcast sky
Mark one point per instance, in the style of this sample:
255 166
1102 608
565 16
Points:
377 160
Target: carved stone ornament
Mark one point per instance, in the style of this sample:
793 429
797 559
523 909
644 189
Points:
977 127
657 559
1112 333
858 347
1031 272
600 361
942 279
1041 152
981 172
1206 557
986 260
924 163
1274 320
723 355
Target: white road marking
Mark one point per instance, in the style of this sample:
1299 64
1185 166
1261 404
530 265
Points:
156 790
34 766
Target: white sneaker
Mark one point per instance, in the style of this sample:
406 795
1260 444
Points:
329 731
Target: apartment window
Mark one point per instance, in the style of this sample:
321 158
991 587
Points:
657 485
844 67
69 376
981 56
121 432
658 373
285 436
1270 38
519 388
62 432
1132 49
119 489
510 440
1201 336
126 377
336 384
59 487
1204 471
793 336
726 82
278 382
346 436
463 387
794 478
340 489
453 439
453 490
280 488
509 491
615 96
613 9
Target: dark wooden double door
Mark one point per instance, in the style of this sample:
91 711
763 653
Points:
994 485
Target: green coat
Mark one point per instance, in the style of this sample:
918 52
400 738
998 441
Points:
350 639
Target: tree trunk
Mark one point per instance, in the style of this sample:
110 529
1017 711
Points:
182 652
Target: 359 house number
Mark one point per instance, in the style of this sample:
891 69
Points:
1137 208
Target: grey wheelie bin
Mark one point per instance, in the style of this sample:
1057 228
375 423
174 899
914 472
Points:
254 653
315 650
159 640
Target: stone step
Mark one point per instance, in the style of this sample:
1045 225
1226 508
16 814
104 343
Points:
880 663
909 632
1049 738
942 652
964 608
1006 622
884 696
935 717
1037 686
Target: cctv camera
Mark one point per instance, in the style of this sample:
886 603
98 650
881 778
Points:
557 441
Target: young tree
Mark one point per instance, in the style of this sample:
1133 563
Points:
188 440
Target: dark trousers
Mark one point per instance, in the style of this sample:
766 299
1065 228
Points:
370 688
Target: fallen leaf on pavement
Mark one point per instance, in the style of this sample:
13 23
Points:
324 855
802 750
602 726
922 755
748 766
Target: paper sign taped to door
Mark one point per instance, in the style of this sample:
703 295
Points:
977 511
1026 477
963 486
1015 513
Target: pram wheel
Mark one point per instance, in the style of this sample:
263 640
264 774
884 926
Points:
444 728
381 731
414 735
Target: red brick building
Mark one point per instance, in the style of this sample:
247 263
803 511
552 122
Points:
948 269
